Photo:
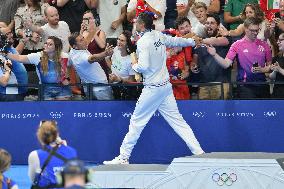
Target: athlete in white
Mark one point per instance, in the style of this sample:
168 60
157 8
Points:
157 93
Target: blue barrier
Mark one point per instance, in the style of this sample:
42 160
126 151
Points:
96 128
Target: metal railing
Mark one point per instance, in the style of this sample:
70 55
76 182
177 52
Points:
87 94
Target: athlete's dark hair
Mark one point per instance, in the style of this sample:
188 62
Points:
146 19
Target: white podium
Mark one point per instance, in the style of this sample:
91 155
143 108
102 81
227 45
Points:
208 171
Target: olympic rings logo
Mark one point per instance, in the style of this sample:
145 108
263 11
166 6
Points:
224 178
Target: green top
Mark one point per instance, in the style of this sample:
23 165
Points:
235 7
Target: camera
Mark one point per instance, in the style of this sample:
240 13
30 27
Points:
255 64
28 33
3 62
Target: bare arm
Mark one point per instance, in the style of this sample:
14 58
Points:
122 14
116 23
100 39
151 9
238 31
11 25
224 62
100 56
61 3
35 28
183 11
20 58
216 41
20 47
214 6
131 15
228 18
91 3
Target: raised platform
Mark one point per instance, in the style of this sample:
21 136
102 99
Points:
207 171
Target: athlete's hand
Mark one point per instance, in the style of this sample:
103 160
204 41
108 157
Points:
134 59
197 40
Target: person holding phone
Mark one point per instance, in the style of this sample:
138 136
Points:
277 68
247 51
96 39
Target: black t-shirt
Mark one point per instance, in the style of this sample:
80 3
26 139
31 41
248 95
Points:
72 13
280 60
210 70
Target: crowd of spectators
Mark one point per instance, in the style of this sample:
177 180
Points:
79 48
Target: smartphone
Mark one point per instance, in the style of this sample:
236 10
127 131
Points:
255 64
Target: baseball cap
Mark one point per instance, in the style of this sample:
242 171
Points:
74 167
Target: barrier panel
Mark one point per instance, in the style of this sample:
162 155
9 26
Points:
96 128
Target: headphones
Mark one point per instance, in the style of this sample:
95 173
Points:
72 167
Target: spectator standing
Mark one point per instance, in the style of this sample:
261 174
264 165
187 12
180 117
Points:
52 145
54 27
97 39
250 10
278 70
200 11
5 162
178 71
15 74
112 14
209 69
156 7
121 68
279 20
184 9
183 27
33 12
232 12
87 66
253 58
71 11
52 65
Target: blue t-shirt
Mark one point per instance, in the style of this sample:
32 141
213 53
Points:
20 73
55 164
51 76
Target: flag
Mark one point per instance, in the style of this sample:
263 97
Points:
272 4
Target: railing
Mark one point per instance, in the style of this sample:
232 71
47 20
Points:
37 90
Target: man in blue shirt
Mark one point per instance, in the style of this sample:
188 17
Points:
16 74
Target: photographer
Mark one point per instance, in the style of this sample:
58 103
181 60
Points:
12 72
74 175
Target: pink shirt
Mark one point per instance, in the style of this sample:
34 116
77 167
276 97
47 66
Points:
246 53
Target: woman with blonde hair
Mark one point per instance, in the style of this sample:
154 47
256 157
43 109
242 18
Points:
44 163
52 66
5 162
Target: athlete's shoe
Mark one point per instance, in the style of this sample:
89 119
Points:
116 160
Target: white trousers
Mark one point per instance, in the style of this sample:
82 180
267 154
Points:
161 99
